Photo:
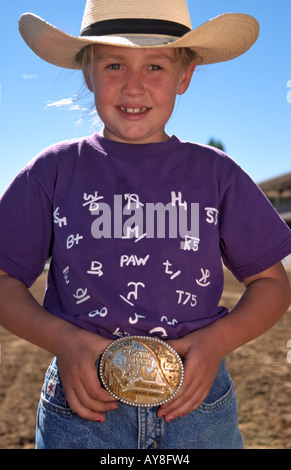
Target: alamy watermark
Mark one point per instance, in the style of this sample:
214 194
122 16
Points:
129 218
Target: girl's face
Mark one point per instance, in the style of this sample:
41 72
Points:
135 91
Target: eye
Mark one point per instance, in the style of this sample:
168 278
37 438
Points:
114 67
155 68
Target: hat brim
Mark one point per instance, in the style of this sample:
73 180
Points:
221 39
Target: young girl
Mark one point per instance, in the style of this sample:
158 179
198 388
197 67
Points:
136 223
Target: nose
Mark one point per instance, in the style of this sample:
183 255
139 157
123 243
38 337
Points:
133 83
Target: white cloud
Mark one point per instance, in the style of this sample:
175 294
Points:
66 103
84 114
29 76
61 103
76 107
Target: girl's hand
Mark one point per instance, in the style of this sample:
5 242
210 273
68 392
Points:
267 296
76 349
83 390
201 363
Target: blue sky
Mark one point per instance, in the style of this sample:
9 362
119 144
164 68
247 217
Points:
245 103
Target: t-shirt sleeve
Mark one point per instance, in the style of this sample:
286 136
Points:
25 227
253 237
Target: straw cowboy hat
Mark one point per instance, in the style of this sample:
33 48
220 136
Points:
141 23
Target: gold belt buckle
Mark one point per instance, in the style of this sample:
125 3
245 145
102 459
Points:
141 371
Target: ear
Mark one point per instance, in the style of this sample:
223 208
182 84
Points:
186 77
88 81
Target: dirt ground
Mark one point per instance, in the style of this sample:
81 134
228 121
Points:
260 371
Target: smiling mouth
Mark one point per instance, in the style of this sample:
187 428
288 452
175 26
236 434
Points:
133 110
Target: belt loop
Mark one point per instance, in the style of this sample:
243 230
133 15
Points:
142 418
149 428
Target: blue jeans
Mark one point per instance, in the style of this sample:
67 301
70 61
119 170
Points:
213 425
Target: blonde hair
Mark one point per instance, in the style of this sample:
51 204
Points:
84 58
185 55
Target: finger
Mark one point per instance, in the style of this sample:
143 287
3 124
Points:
86 396
180 346
181 407
88 413
88 377
96 391
88 407
189 398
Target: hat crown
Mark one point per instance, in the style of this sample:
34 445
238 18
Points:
104 10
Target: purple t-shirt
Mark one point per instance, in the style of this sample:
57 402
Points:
137 233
